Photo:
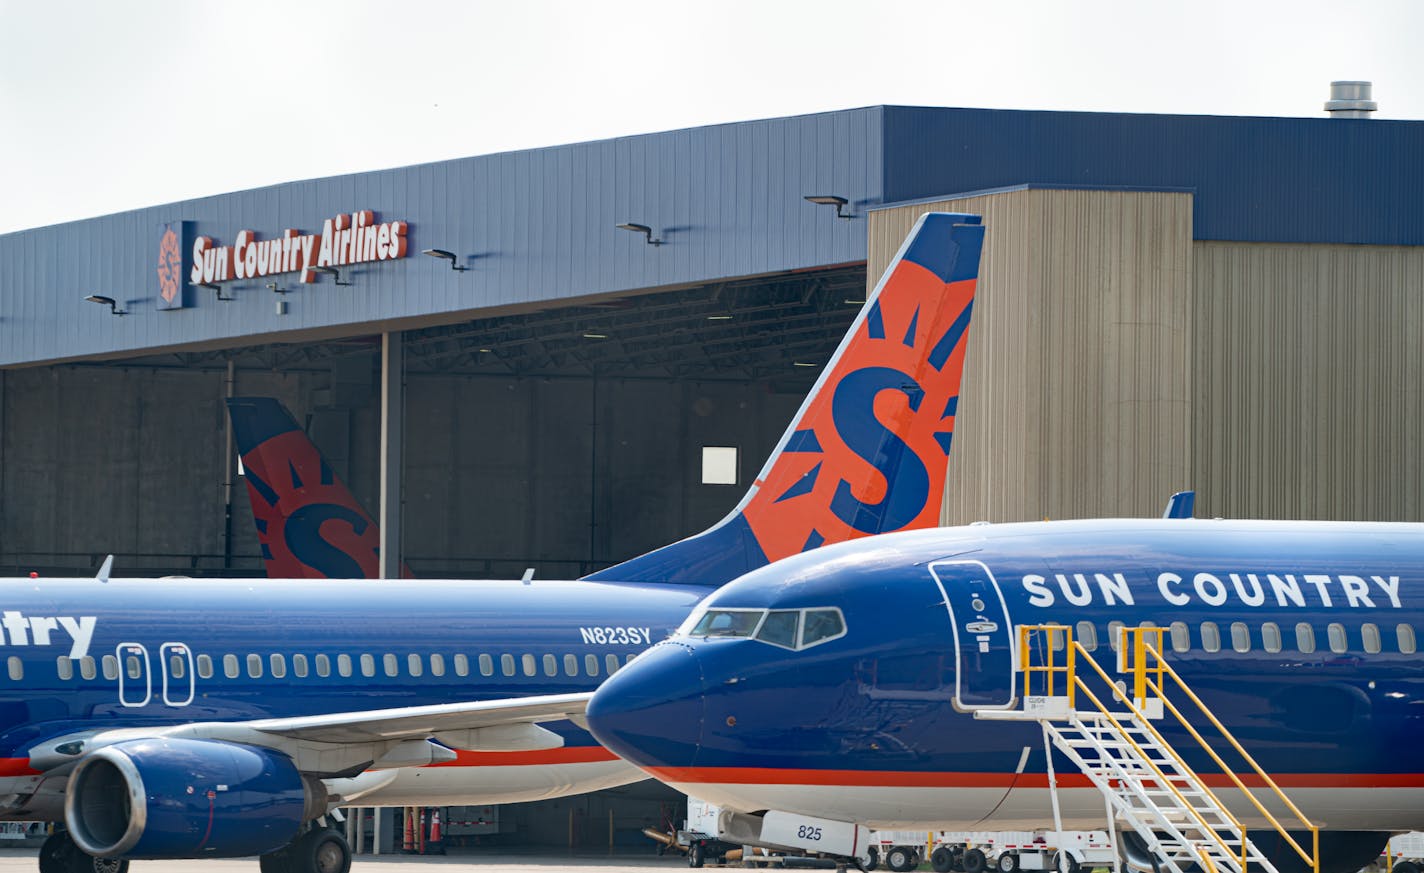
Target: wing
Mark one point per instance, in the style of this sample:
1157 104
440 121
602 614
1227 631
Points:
347 743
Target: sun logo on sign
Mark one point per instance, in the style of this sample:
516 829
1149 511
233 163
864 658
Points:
170 266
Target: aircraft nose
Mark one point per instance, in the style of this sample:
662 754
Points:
650 712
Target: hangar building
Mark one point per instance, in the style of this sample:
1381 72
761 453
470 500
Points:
1224 303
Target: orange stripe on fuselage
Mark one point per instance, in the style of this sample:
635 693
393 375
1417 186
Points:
894 779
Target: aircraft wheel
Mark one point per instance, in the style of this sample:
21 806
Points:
60 855
321 850
942 859
279 861
872 858
696 855
974 861
1406 867
1008 863
900 859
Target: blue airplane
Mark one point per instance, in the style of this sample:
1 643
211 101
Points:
192 719
843 684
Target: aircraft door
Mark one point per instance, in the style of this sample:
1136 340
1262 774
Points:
135 679
178 681
983 635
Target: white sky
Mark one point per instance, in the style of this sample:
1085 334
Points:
110 106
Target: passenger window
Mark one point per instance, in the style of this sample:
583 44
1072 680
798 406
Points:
821 625
728 623
570 665
437 665
229 666
506 664
1305 638
414 664
611 662
1370 636
86 666
779 629
299 666
1057 639
551 665
1336 634
65 667
391 664
323 666
254 666
1211 636
1404 634
368 665
590 664
1271 637
111 667
1088 635
343 665
462 665
1181 637
279 665
1114 634
135 667
176 666
1240 636
530 665
205 666
628 659
17 668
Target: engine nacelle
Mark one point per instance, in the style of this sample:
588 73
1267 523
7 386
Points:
177 798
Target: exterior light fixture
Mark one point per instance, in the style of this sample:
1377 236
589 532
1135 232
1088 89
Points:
215 289
330 271
595 336
275 288
802 364
719 318
445 256
830 200
646 231
109 302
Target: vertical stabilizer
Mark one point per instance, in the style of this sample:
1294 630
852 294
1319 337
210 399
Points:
867 451
309 523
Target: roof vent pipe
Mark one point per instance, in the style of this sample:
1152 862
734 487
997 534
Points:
1350 100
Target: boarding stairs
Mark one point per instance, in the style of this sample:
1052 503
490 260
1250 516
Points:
1146 784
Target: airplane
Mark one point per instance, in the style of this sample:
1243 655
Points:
187 719
843 684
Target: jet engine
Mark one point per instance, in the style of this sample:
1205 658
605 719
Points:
181 798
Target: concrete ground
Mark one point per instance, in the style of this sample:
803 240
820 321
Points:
24 860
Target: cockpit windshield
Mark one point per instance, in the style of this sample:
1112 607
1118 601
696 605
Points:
786 628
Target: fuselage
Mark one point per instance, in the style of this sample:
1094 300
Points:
1300 636
83 655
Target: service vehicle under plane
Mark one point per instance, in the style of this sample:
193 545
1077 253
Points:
211 718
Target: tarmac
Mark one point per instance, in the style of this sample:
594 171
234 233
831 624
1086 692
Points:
25 859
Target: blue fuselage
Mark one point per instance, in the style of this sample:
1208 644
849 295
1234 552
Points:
1300 636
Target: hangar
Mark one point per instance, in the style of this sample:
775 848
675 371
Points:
1230 304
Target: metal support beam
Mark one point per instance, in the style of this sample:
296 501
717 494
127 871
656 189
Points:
392 450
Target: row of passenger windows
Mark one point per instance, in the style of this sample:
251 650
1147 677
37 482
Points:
1268 636
345 665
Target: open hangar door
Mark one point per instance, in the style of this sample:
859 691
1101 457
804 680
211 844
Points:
564 439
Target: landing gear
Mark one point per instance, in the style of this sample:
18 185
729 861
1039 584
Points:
319 850
60 855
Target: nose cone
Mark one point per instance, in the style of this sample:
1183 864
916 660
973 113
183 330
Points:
650 712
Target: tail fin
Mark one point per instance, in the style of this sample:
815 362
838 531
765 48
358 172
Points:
1180 505
867 451
309 523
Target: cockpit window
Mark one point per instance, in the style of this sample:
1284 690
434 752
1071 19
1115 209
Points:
779 629
728 623
775 627
822 625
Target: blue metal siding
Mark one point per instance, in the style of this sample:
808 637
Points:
727 200
1313 180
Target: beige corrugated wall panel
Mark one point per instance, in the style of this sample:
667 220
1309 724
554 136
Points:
1077 388
1310 362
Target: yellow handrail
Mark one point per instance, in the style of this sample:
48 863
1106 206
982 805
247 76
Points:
1152 678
